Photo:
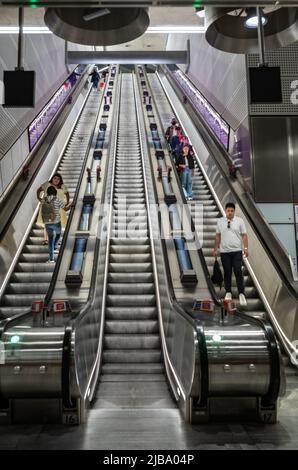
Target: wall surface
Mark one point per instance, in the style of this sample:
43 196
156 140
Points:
221 78
43 53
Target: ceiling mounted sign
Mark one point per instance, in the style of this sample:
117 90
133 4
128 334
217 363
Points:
97 26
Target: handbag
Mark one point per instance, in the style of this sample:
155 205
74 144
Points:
217 277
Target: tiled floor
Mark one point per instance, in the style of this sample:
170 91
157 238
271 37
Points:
158 426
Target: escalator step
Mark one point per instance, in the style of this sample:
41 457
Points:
131 313
131 326
133 368
126 356
127 300
131 341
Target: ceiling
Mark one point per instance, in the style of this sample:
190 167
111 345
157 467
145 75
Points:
145 3
159 16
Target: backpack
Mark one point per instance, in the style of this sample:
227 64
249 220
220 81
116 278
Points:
217 277
48 211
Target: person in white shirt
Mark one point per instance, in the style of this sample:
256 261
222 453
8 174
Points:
231 239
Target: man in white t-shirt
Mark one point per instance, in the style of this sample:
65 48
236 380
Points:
231 239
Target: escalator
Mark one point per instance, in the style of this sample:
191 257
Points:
131 342
31 274
132 336
203 196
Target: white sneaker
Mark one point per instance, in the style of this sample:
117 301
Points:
228 296
51 261
242 300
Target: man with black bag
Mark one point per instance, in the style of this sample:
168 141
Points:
231 238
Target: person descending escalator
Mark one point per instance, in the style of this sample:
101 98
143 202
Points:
50 212
94 78
232 241
186 166
62 193
170 130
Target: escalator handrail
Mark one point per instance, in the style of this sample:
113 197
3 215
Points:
269 241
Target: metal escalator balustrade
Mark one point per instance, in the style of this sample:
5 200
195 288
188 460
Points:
205 211
32 275
131 340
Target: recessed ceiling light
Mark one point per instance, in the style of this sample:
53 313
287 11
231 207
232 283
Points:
200 12
176 29
252 21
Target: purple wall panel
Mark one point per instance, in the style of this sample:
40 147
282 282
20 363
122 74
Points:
46 115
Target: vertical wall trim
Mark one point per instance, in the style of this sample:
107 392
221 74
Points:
188 55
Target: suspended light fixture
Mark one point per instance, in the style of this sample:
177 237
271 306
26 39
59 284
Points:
226 29
97 27
251 20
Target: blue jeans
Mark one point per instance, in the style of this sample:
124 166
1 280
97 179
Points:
186 180
53 243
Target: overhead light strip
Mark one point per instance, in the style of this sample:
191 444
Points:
26 30
176 29
150 30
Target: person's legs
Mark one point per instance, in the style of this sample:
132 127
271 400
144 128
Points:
183 178
226 260
45 236
189 182
50 232
237 267
58 234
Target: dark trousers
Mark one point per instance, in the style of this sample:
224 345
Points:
232 261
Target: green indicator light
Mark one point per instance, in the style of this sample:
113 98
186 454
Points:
216 338
33 3
15 339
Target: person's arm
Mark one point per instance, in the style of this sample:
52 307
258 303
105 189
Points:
66 207
66 194
179 162
245 243
193 163
216 244
41 189
244 238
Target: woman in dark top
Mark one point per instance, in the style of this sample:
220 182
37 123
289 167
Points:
186 166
